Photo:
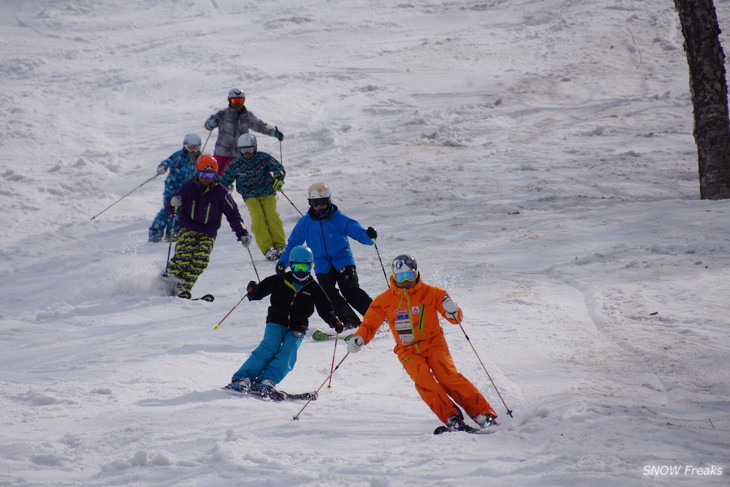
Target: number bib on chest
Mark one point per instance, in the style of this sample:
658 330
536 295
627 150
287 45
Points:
403 326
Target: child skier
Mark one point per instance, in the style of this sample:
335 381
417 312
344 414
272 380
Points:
200 204
412 308
182 167
294 295
258 177
327 231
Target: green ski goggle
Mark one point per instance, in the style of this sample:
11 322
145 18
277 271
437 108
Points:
301 266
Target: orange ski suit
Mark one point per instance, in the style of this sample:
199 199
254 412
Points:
412 315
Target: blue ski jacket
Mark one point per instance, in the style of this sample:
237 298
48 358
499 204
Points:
254 177
328 239
181 167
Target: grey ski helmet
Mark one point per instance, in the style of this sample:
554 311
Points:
236 93
192 143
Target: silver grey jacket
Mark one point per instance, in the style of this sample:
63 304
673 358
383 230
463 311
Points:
231 124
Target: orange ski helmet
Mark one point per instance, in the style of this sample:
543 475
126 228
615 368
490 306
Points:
206 163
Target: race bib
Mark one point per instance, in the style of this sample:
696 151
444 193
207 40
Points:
403 326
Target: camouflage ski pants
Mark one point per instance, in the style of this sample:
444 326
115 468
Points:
192 254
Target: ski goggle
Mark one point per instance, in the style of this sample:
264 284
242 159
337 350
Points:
192 148
300 266
405 276
237 100
206 175
247 150
318 202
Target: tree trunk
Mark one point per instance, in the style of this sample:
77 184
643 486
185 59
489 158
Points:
708 87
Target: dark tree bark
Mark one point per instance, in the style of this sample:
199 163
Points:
708 87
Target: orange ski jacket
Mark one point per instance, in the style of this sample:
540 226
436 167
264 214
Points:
412 314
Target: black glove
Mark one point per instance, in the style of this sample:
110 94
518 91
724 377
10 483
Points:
251 288
372 233
280 268
338 327
298 327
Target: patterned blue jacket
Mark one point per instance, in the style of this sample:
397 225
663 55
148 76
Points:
181 166
253 176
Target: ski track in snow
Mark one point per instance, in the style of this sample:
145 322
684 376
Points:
535 157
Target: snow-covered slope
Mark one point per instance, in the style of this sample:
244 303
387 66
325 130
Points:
535 157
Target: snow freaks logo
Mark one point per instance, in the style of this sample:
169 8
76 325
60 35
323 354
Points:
681 471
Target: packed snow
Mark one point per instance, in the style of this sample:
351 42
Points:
536 158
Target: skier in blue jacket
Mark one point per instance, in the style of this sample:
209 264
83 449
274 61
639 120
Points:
327 230
182 167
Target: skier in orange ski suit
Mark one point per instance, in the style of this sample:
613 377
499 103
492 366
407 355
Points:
412 308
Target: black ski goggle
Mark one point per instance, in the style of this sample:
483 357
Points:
318 202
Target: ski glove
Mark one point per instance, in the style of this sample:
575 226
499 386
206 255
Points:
161 169
280 268
275 133
452 310
355 344
251 288
176 201
278 184
338 327
210 124
245 240
372 233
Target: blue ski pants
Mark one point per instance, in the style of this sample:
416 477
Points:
274 358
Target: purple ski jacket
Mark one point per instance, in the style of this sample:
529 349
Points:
203 208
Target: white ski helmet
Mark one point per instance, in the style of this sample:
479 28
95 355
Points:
247 142
404 268
318 190
192 143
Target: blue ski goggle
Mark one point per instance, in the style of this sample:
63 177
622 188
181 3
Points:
300 266
404 276
206 175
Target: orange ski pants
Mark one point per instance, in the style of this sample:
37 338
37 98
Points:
439 384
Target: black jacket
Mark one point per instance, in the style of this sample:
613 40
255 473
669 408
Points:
291 308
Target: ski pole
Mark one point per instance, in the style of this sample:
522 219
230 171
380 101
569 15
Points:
292 203
120 199
206 141
231 311
509 411
254 264
281 153
320 387
169 248
387 283
332 367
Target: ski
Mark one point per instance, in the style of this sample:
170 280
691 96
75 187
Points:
319 336
466 429
273 394
205 297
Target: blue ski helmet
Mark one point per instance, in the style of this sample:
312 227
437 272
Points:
300 262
